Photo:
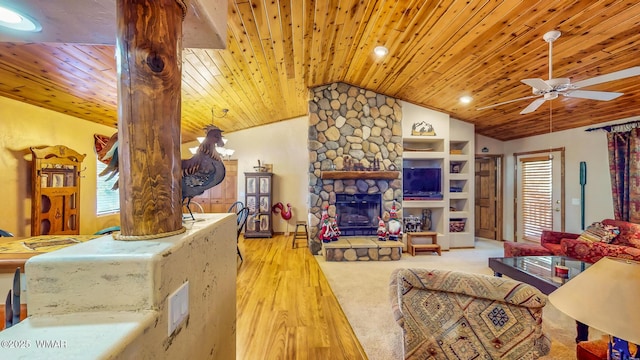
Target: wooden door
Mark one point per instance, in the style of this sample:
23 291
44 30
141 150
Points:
219 198
487 197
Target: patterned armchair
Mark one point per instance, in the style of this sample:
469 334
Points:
457 315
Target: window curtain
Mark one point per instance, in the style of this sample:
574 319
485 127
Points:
624 166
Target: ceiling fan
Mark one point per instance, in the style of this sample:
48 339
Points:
544 90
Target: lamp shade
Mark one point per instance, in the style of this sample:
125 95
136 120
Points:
605 296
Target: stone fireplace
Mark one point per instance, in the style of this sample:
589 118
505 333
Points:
349 125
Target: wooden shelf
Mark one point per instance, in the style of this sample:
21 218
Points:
365 175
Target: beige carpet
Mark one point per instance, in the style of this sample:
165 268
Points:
362 290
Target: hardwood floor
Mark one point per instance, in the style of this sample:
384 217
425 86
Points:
285 307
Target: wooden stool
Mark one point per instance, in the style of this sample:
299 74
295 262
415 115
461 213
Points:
300 234
433 247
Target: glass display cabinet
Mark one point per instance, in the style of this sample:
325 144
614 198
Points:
258 187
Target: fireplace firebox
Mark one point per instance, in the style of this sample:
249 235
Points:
358 213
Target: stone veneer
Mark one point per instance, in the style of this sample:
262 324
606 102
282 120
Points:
345 120
356 248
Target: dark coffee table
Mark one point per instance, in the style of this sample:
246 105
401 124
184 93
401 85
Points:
539 271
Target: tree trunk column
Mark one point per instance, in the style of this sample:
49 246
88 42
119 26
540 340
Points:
148 55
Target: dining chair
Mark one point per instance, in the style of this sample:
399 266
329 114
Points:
235 207
242 215
108 230
4 233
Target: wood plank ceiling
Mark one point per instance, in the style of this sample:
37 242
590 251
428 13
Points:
439 51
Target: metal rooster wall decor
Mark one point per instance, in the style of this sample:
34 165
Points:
205 169
201 172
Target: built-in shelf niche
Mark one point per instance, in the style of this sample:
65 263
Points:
437 217
423 144
459 147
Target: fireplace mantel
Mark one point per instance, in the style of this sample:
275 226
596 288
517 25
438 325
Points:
364 175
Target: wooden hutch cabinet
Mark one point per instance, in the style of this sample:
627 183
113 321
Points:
258 199
55 206
219 198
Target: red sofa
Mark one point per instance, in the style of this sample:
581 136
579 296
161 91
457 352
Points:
626 245
549 245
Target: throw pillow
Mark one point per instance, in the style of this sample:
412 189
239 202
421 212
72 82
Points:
600 232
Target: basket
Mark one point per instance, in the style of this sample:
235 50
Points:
457 225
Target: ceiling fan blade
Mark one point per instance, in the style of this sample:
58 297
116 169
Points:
537 84
617 75
533 106
593 95
508 102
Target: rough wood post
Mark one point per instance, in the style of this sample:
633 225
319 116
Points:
148 55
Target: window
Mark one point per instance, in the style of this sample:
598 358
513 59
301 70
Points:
107 200
537 202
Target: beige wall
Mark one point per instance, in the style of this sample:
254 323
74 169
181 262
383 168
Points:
23 126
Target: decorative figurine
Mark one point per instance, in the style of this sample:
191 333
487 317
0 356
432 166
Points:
422 128
412 224
382 230
335 230
395 226
325 233
426 219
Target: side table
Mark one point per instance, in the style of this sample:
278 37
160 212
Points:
433 247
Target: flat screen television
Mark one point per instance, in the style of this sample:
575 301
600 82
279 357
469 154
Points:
422 183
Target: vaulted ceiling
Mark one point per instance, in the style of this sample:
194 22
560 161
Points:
438 51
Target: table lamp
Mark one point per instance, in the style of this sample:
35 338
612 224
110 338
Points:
606 296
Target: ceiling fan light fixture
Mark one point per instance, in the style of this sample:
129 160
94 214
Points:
551 36
381 51
14 20
550 89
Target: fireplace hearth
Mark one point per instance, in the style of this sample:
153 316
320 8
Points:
358 213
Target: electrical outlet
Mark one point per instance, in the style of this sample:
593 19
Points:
178 307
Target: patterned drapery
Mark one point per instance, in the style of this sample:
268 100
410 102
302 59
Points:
624 166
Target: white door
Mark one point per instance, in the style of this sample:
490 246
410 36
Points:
539 193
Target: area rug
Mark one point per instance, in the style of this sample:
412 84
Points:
362 288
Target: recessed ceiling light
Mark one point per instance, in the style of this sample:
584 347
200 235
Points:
381 51
14 20
466 99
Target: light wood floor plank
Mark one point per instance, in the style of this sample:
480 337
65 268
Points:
285 307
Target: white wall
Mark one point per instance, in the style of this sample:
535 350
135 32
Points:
494 147
283 144
412 114
579 145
